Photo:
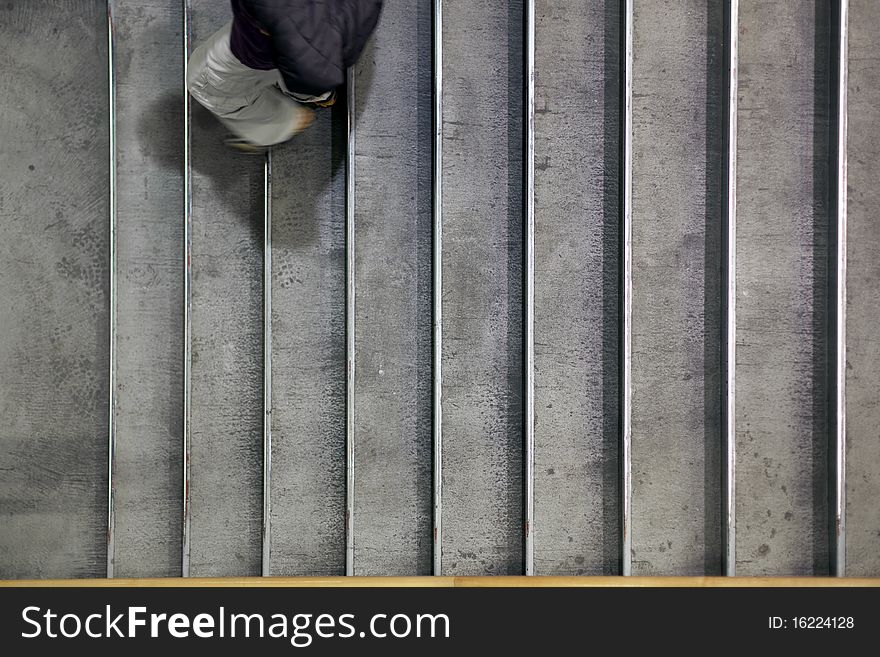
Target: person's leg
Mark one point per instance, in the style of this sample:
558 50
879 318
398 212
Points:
247 101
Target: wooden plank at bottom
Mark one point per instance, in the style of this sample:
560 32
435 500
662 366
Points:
456 582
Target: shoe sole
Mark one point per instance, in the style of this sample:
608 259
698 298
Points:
244 147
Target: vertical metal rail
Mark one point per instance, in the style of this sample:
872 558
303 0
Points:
187 291
529 296
626 293
267 363
731 77
839 149
437 288
349 322
111 451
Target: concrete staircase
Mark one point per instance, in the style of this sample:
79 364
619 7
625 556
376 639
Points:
464 324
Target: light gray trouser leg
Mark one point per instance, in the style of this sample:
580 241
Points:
246 100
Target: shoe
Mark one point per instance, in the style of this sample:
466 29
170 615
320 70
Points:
303 118
327 99
244 146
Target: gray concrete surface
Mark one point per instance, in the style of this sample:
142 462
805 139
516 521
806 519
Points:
149 385
308 351
392 496
781 389
576 288
482 288
677 128
227 342
54 275
54 147
863 298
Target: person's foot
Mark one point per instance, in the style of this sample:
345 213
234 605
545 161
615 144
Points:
327 99
244 146
304 118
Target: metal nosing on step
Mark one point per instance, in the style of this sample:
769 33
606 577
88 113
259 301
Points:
187 294
728 528
437 290
838 447
529 297
111 451
349 322
626 295
267 364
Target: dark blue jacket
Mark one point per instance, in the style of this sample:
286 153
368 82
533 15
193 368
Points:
311 42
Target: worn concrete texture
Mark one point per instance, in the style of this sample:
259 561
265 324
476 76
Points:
863 295
577 131
392 495
482 288
782 235
149 375
227 342
676 395
54 283
308 351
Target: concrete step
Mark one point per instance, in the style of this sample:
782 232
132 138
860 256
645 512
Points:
224 513
54 286
677 178
577 272
307 486
783 354
862 307
392 501
149 289
482 260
